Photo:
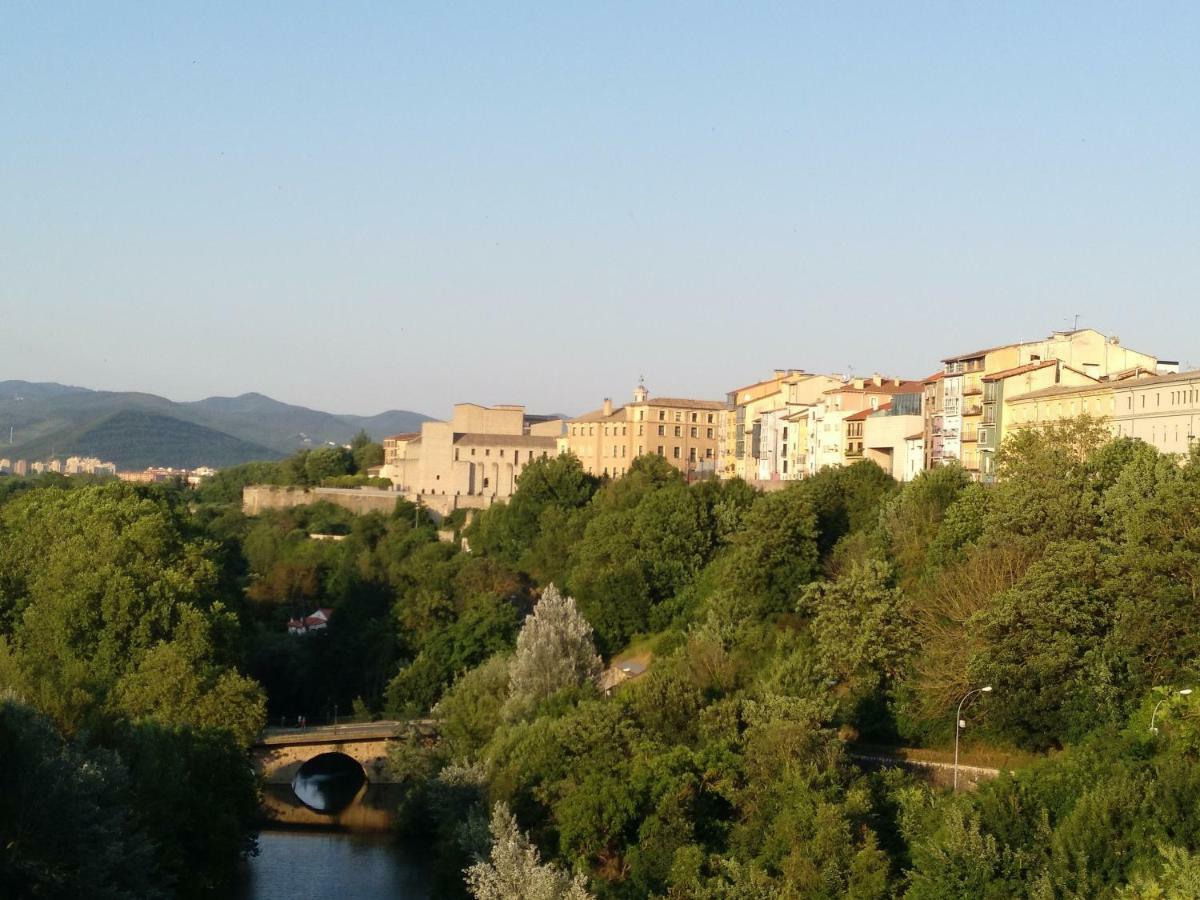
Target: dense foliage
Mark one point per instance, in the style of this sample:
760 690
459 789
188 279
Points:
124 718
782 633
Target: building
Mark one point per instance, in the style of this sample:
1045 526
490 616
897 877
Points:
960 406
479 453
892 435
1015 382
757 444
682 431
1162 410
836 430
318 621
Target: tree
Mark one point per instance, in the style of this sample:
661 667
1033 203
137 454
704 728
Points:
514 870
554 651
328 462
775 553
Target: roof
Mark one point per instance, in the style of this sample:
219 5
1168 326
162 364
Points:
470 439
889 387
406 436
598 415
685 403
936 376
1020 370
1056 389
866 413
975 353
1193 375
915 437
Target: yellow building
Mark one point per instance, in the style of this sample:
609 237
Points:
682 431
963 402
1162 410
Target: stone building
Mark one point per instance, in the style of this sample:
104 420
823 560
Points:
479 453
684 432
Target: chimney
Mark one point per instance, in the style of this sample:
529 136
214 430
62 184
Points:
608 406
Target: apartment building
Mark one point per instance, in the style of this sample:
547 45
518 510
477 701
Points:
1162 410
758 444
892 435
960 406
479 453
684 432
836 430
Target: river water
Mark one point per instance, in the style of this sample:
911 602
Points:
337 864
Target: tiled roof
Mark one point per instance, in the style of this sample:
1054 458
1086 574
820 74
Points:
1020 370
686 404
470 439
1056 389
936 376
406 436
598 415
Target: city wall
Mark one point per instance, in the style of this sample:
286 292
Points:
259 497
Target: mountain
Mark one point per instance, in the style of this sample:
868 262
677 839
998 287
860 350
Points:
49 418
136 439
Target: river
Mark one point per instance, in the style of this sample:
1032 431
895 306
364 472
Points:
337 864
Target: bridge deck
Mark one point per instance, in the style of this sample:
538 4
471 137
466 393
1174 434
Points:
352 731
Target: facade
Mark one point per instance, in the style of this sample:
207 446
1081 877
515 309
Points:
1162 410
684 432
478 453
960 407
891 436
758 444
836 434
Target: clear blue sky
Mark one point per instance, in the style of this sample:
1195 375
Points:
360 207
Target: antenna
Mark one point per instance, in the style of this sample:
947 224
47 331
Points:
1076 325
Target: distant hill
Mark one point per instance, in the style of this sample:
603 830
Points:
48 418
136 439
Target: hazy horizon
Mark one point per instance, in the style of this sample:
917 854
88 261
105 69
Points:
365 210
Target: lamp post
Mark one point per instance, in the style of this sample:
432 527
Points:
1182 693
959 724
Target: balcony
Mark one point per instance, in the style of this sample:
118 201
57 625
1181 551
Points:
972 389
973 409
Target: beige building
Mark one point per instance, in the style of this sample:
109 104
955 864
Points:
684 432
961 411
835 428
478 454
891 436
1162 410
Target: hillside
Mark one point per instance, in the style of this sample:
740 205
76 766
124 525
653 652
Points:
136 439
50 418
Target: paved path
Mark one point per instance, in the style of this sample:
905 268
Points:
883 759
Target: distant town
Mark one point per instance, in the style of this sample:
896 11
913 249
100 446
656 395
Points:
786 426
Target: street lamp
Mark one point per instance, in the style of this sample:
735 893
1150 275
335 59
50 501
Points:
959 725
1181 693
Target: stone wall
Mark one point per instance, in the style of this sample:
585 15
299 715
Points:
259 497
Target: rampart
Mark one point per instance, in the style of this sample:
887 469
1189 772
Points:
259 497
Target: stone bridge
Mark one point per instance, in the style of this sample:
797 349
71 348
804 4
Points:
280 753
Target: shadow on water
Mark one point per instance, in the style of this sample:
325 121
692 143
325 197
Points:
336 864
329 782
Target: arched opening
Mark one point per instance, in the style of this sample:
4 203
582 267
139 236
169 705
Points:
329 782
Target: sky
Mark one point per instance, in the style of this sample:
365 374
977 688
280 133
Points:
360 207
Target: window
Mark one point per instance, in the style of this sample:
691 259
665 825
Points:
640 428
709 434
692 454
695 417
710 418
660 450
472 451
662 430
678 431
675 452
487 451
662 415
695 432
708 453
678 416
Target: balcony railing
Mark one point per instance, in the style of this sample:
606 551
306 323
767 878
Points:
971 389
973 409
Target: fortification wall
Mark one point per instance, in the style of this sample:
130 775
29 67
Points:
259 497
